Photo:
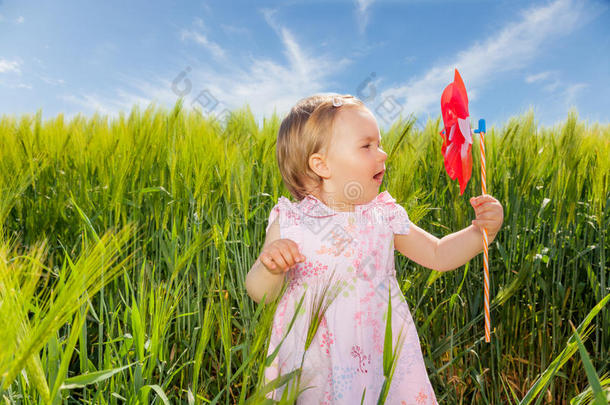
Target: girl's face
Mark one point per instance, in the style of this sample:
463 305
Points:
355 159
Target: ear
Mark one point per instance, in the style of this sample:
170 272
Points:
317 163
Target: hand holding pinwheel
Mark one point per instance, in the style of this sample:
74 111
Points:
489 214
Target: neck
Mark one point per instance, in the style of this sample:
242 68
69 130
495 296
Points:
333 201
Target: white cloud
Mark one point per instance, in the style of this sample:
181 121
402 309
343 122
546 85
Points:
50 80
90 103
550 77
552 86
269 15
138 92
201 39
362 13
571 92
264 84
513 47
20 20
144 92
267 84
15 85
232 29
10 66
538 76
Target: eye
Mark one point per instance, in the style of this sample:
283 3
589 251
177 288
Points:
367 146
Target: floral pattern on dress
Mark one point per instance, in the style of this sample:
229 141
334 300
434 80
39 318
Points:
346 354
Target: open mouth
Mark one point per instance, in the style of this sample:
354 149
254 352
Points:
379 176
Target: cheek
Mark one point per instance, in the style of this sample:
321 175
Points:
354 165
368 159
345 162
362 164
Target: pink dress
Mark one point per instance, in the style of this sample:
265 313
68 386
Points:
354 251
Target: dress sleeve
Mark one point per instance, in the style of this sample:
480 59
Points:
289 221
283 210
275 212
398 219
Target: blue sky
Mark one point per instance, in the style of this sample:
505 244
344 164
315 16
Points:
80 57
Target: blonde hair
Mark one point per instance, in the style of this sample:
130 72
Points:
307 129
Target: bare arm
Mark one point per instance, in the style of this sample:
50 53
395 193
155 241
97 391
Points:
458 248
448 253
260 280
277 257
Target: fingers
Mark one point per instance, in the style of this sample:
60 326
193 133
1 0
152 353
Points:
481 210
486 206
483 224
481 199
272 261
281 255
492 225
288 257
293 248
493 215
488 213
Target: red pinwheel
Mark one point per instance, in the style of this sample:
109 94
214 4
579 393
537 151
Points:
457 144
458 160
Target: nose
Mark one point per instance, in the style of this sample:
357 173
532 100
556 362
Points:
382 155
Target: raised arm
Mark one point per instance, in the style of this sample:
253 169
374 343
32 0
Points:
456 249
448 253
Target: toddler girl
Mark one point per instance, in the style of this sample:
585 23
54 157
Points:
342 232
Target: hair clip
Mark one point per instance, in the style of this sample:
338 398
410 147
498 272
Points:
337 101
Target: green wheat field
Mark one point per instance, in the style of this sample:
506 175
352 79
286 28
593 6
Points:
125 243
